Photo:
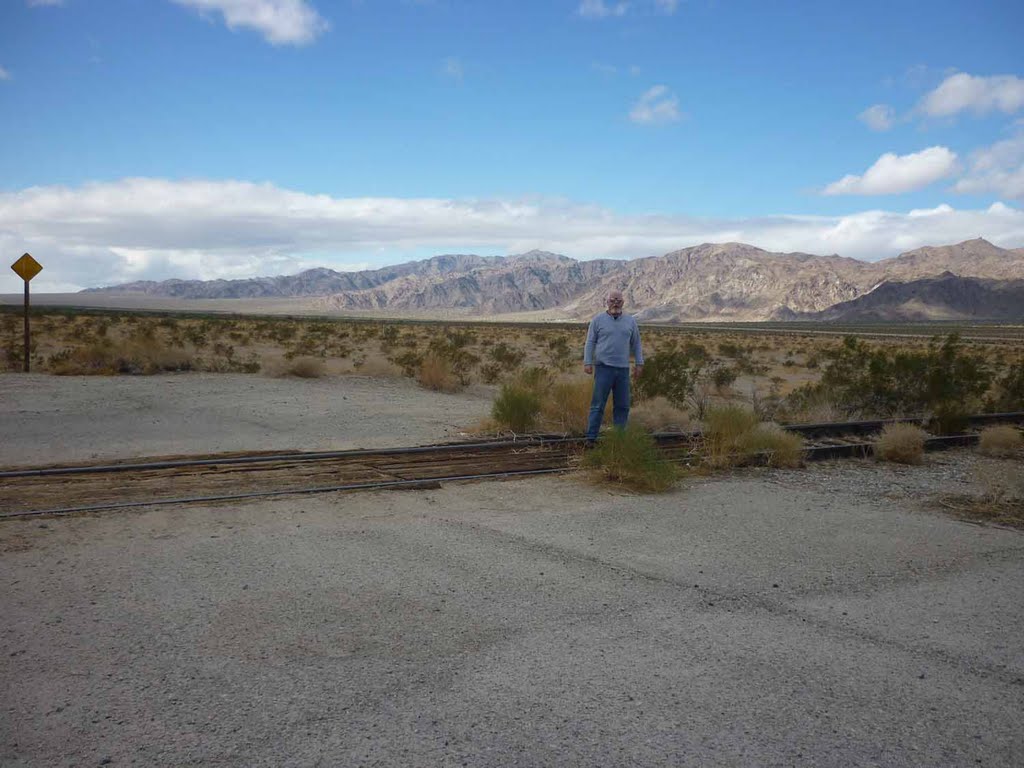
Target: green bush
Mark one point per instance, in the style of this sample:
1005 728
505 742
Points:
1009 390
943 381
630 457
516 408
670 374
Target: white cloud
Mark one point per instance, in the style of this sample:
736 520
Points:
133 229
657 105
667 6
878 117
962 92
998 169
281 22
35 3
599 9
5 75
892 174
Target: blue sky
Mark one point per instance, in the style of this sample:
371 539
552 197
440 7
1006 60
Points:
209 138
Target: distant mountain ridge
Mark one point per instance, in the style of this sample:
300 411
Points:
712 282
946 297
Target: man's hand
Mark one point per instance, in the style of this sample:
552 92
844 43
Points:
638 371
588 369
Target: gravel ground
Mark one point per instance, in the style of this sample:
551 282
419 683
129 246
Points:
826 617
51 419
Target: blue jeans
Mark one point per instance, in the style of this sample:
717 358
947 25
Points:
613 381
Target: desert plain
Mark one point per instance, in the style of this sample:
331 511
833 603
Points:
836 614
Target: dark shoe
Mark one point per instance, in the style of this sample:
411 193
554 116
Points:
590 445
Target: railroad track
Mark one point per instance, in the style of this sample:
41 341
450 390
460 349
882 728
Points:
56 490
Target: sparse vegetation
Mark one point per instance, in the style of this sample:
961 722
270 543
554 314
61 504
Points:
305 368
781 377
725 430
435 373
1002 441
630 457
778 447
517 408
657 414
901 443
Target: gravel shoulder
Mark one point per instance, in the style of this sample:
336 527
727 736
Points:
826 616
60 419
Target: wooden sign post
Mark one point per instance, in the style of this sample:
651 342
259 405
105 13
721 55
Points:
26 268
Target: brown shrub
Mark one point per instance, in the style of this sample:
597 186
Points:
779 447
1000 441
305 368
140 356
565 406
380 368
657 414
724 429
901 443
435 373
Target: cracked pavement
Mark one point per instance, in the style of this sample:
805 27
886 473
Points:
816 617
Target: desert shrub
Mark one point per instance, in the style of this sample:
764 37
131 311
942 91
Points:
536 379
565 406
435 373
657 414
106 358
724 430
779 447
516 408
560 353
408 362
1000 441
723 377
490 373
1009 390
451 346
670 374
631 458
942 380
305 368
901 443
507 358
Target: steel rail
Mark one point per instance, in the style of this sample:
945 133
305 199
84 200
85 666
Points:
827 429
382 485
89 469
811 453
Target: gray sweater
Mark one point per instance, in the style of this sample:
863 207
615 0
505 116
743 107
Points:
609 341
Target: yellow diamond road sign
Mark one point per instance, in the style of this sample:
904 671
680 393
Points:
27 267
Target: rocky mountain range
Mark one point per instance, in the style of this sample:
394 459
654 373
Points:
710 282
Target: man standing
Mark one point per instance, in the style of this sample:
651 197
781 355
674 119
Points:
610 339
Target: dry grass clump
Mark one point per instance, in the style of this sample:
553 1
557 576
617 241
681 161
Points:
516 408
1001 501
901 443
106 358
305 368
778 447
1001 441
435 373
631 458
657 414
725 428
565 406
377 367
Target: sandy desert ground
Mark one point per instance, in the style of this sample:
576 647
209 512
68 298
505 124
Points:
828 616
54 419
